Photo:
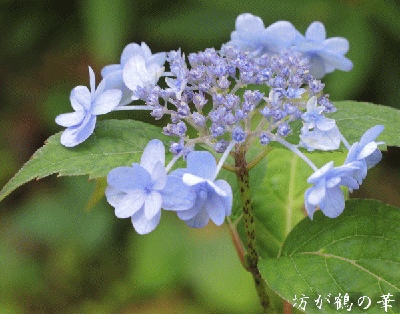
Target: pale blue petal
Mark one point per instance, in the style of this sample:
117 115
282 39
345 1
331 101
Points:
349 182
279 35
152 154
317 139
158 58
92 82
353 153
359 175
373 159
176 195
130 203
142 225
179 172
113 195
310 48
110 69
78 134
336 45
311 103
100 89
316 32
70 119
315 177
367 150
310 208
129 178
329 68
130 51
317 193
81 94
201 164
76 105
339 62
333 204
371 134
215 208
135 73
189 213
106 102
216 189
191 179
333 181
227 200
114 80
325 124
318 67
154 72
152 205
247 22
159 176
198 221
145 50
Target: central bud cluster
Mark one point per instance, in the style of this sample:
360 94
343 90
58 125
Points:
212 97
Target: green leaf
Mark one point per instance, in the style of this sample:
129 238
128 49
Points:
356 253
114 143
277 185
354 118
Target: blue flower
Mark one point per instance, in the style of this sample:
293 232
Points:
251 35
213 199
326 193
325 55
325 134
293 93
139 73
140 191
113 73
87 105
365 152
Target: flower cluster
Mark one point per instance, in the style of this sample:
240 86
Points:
140 191
325 55
249 90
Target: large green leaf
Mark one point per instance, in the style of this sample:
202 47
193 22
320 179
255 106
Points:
356 253
114 143
277 186
354 118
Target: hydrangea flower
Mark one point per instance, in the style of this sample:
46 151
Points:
365 152
140 191
251 35
325 134
113 73
325 55
138 73
87 105
326 193
213 199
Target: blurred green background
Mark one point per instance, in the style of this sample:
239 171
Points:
56 256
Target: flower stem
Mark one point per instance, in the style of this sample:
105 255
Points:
251 258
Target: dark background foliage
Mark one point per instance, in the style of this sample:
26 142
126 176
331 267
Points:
58 255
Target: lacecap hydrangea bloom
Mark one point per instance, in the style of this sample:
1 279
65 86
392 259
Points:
87 105
215 92
140 191
324 55
365 152
213 199
113 74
